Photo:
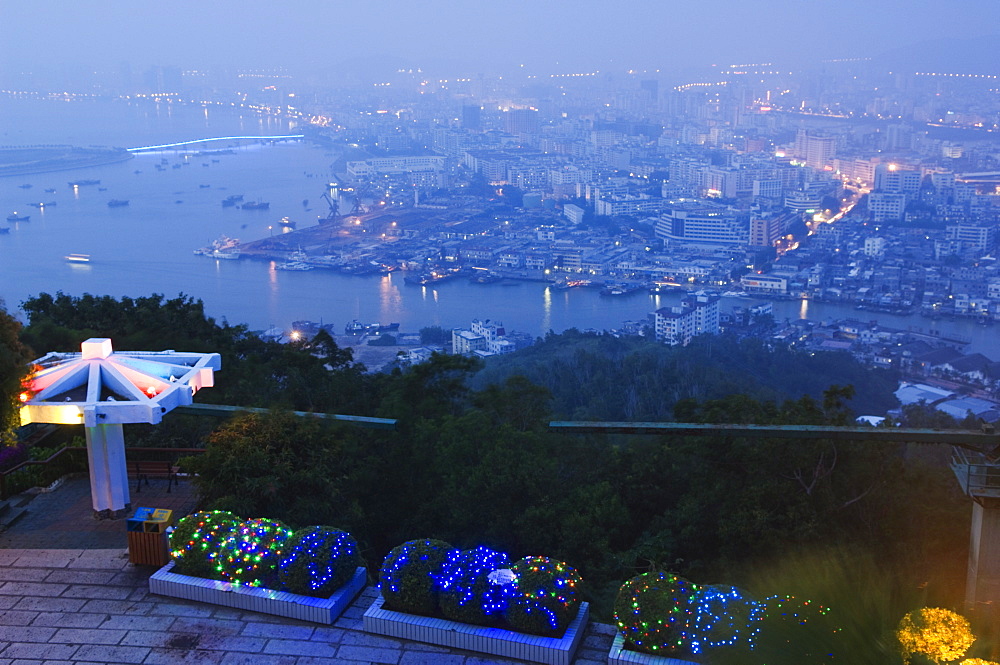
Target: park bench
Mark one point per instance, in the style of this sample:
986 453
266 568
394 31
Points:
145 469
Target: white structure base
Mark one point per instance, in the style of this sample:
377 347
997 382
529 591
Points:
108 474
494 641
266 601
619 655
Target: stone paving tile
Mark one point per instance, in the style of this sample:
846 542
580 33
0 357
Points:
96 592
424 658
326 634
68 576
17 618
87 636
277 630
299 648
26 633
31 589
366 640
232 643
172 656
495 660
258 659
110 606
129 622
112 654
181 609
368 654
7 602
24 574
209 626
50 604
70 619
44 651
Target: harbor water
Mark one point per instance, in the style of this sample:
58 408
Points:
147 246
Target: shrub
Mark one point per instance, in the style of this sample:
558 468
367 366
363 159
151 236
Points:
722 616
250 555
655 613
936 633
408 576
547 596
318 560
12 455
467 593
195 541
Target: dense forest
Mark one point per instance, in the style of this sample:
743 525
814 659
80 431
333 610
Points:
473 462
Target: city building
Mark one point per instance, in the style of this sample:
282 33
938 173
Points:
696 315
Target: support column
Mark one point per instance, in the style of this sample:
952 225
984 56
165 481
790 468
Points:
108 473
982 589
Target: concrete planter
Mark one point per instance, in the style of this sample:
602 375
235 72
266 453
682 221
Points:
267 601
619 655
494 641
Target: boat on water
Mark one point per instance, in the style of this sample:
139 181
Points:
286 223
25 186
17 217
78 258
51 190
294 265
4 229
81 183
256 205
223 247
41 205
117 203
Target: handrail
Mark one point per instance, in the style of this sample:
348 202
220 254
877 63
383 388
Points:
67 450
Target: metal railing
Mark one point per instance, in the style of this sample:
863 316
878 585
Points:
70 459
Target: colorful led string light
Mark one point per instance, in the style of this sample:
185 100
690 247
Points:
250 555
195 541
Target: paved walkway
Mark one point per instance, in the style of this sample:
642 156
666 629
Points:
87 604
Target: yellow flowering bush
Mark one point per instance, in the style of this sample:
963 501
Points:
939 634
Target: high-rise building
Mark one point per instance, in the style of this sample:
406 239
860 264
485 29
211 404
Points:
472 117
816 150
696 315
521 121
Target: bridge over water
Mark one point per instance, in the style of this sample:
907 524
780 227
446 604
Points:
148 148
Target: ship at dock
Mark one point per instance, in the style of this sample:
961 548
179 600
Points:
224 247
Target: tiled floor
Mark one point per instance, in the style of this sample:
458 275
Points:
69 595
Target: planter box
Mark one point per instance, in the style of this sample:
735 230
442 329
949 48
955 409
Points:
267 601
619 655
494 641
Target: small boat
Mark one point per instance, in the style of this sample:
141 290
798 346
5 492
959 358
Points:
81 183
42 204
256 205
16 217
102 189
286 223
78 258
50 191
117 203
4 229
25 186
204 186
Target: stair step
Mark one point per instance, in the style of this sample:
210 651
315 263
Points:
12 516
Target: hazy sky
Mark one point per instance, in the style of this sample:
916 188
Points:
478 36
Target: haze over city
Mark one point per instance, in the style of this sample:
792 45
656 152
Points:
465 38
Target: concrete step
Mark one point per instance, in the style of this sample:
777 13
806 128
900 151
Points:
10 515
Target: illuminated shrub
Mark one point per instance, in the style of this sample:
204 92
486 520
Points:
318 560
547 596
938 634
469 591
408 579
250 555
655 612
195 541
722 616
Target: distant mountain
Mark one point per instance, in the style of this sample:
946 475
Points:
975 55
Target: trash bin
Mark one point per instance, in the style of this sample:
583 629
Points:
147 536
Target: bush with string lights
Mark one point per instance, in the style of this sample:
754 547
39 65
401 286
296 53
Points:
408 579
318 560
195 541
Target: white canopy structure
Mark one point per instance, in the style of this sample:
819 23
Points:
102 389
